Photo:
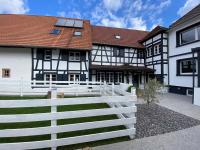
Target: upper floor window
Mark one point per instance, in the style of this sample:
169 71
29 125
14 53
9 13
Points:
117 36
140 54
55 31
155 49
187 36
118 52
77 33
74 56
47 54
5 73
149 52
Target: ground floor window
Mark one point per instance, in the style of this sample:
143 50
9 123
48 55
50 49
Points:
74 77
48 77
5 73
100 76
119 77
109 77
186 66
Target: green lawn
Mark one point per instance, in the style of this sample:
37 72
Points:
60 122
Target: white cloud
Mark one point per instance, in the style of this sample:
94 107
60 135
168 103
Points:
138 23
133 13
61 14
13 7
114 5
72 14
189 5
112 23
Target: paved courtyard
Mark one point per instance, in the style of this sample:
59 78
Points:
187 139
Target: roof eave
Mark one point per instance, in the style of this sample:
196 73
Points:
50 47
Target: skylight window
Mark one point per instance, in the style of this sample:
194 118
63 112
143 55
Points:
117 36
55 31
77 33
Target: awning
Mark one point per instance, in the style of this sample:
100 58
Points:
122 68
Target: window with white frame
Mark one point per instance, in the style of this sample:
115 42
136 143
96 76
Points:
186 66
149 51
109 77
119 77
47 54
74 56
156 49
100 76
50 77
190 35
74 77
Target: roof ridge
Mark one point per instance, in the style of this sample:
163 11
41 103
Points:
119 28
31 15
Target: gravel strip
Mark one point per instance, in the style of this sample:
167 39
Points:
155 119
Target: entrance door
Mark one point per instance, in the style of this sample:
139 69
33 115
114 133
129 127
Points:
135 79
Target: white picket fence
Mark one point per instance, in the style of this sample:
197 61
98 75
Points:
32 87
123 106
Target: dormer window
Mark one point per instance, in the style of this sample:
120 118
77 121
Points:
55 31
77 33
117 36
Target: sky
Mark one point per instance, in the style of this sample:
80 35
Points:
133 14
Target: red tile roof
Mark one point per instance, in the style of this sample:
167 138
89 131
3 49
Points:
33 31
106 35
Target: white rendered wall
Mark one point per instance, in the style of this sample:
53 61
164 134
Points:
185 81
18 60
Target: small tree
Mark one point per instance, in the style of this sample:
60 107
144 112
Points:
151 91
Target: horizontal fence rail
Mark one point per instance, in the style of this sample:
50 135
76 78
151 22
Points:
32 87
122 105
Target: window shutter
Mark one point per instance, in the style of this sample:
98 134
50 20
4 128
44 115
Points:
40 54
62 77
64 55
65 77
83 56
115 51
83 77
39 77
178 67
121 52
177 38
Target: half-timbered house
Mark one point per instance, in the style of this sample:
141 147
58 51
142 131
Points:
117 56
156 49
43 47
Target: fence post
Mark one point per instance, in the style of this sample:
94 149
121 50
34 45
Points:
50 82
21 87
77 86
53 110
133 91
104 87
113 89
